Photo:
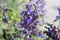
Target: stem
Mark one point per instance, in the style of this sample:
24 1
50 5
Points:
59 18
59 23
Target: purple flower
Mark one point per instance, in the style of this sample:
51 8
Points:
36 22
40 34
29 13
39 9
28 7
23 13
57 17
40 1
29 21
59 10
30 28
23 23
34 31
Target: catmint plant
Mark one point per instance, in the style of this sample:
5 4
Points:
30 19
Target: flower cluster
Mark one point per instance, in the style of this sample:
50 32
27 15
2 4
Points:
30 19
53 32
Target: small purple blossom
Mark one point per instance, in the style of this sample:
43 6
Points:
57 17
23 13
59 10
36 22
40 34
40 1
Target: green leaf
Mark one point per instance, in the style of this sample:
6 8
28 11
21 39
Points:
55 20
